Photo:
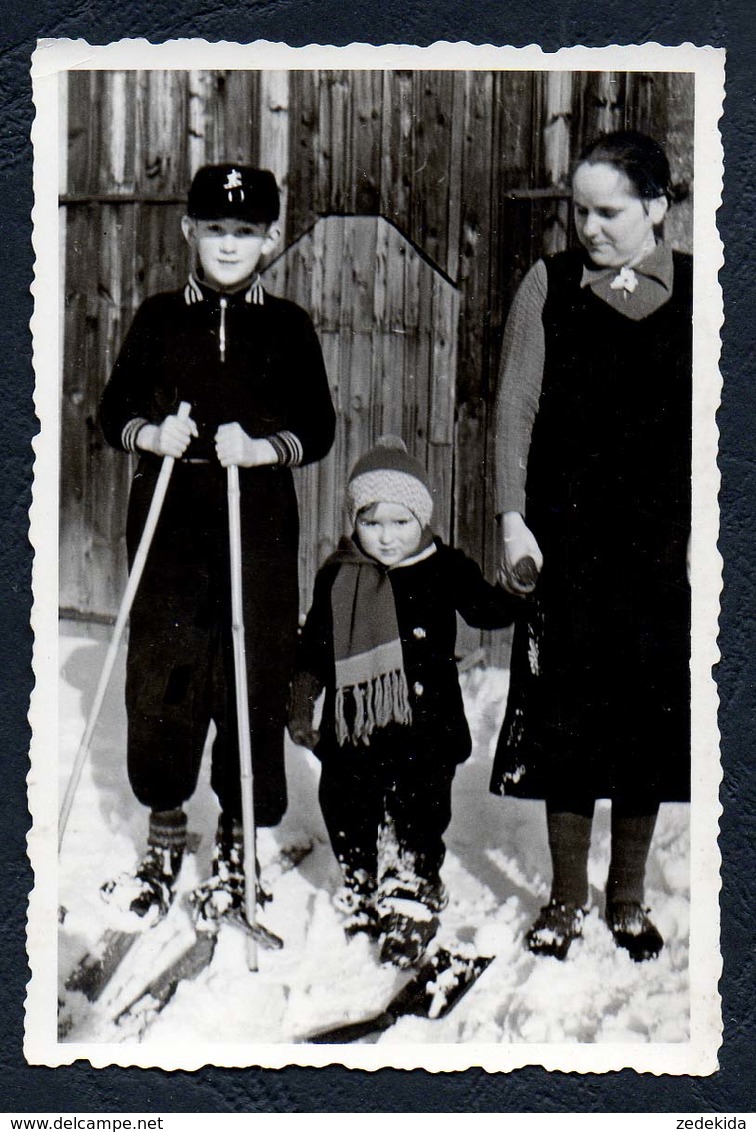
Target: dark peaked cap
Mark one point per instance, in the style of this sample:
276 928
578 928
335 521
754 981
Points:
237 191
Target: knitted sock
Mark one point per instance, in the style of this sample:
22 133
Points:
167 829
631 840
569 842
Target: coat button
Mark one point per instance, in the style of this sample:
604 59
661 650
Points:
417 688
419 633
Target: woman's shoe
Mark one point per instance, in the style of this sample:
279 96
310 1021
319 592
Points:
632 929
554 930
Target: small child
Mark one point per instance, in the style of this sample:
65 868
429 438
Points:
251 368
380 639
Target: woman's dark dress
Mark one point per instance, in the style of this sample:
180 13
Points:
599 703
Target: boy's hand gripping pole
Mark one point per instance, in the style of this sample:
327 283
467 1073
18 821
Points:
135 576
242 713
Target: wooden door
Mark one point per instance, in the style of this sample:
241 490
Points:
387 321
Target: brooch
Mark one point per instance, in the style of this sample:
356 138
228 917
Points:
625 280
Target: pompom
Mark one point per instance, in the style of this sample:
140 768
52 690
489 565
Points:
391 442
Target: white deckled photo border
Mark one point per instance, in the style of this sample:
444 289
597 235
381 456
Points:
51 62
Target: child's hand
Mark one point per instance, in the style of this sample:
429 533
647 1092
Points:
234 446
303 734
518 544
171 438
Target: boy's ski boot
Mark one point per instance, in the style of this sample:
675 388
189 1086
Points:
148 892
222 895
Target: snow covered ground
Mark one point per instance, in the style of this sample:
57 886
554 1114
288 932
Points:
497 872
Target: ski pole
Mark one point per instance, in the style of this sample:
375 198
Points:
242 713
140 558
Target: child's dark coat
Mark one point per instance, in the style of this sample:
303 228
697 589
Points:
427 595
260 365
387 804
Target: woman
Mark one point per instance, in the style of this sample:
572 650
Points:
593 481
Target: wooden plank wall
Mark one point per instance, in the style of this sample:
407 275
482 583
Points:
386 320
469 166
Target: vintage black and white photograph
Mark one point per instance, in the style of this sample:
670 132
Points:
376 578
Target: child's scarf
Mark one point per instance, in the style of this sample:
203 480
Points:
370 676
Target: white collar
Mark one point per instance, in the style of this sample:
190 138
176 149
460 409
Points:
419 557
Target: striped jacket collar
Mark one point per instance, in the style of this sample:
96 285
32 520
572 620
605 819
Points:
195 292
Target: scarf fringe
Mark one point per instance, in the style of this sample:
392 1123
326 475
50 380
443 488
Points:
380 701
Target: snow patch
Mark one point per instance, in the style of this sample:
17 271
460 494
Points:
497 874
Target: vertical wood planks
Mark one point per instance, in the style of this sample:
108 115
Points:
242 116
397 140
436 154
82 101
164 167
363 187
474 276
387 325
454 195
434 101
273 131
304 197
674 104
445 313
557 153
116 171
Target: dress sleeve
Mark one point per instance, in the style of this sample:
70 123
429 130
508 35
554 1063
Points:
126 402
312 420
481 604
520 381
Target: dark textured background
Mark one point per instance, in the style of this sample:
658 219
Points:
79 1088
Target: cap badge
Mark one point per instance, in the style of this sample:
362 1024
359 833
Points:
233 180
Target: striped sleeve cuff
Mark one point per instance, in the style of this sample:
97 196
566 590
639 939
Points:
130 433
288 448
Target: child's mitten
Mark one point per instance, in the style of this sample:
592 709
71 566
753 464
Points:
303 692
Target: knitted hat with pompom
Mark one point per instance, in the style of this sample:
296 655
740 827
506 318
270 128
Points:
388 474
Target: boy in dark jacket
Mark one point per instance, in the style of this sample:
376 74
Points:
251 368
380 639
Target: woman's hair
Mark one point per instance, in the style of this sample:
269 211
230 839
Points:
640 158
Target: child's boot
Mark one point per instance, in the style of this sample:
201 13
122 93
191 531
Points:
407 928
410 896
149 891
224 891
356 902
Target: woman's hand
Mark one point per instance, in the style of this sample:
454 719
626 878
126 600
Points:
520 558
171 438
234 446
